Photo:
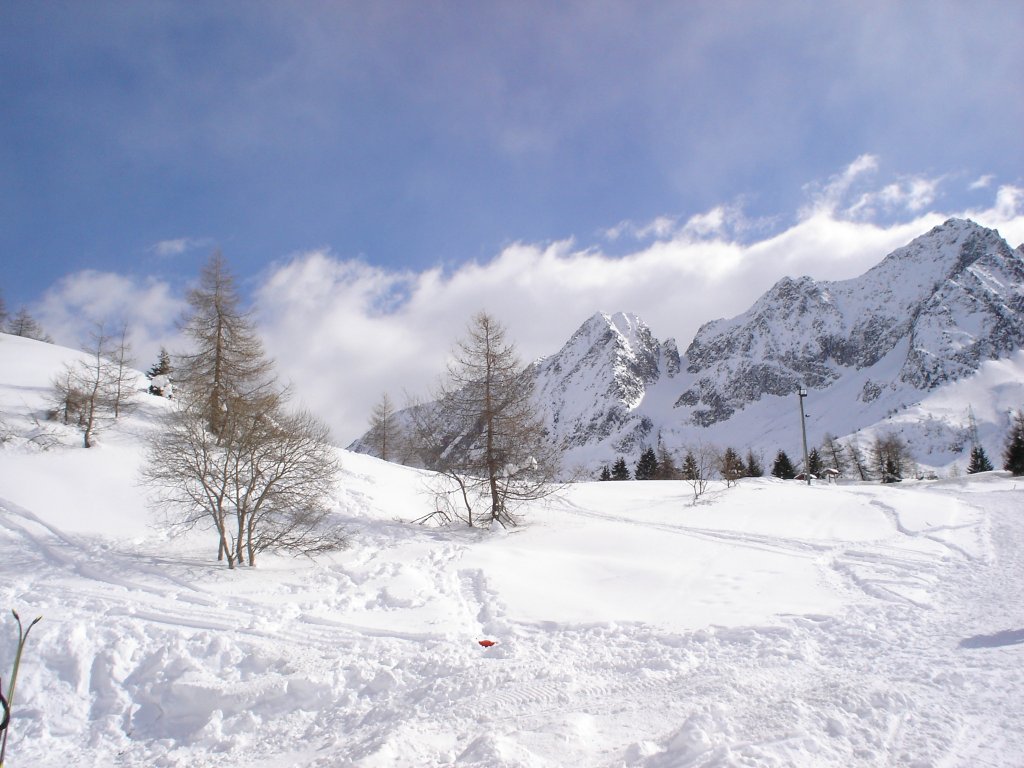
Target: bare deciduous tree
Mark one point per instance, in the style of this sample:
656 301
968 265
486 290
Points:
231 455
834 453
891 458
123 377
483 431
697 467
88 391
385 434
857 460
23 324
262 482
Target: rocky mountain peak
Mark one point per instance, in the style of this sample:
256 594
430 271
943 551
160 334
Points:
943 303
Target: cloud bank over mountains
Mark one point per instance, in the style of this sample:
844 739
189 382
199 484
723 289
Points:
344 331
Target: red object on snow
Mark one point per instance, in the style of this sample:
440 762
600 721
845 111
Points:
486 643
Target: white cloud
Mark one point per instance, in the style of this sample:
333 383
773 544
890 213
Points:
1006 214
982 182
722 221
345 332
829 198
71 308
659 229
178 246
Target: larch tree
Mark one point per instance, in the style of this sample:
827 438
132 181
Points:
484 431
227 360
385 433
834 454
123 376
857 461
891 459
231 454
23 324
91 391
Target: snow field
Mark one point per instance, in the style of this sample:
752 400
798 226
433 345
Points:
771 624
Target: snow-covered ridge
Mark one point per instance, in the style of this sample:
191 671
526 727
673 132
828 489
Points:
955 296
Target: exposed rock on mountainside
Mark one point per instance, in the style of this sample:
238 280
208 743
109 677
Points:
932 310
591 387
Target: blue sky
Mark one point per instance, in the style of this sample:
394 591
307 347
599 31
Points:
420 141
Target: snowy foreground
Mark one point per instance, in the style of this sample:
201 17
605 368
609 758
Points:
770 624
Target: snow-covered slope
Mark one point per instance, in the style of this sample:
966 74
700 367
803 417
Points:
769 624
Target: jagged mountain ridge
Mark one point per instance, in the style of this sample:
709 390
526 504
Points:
954 297
927 315
591 387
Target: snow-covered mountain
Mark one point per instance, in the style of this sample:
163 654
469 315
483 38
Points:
939 306
868 349
591 388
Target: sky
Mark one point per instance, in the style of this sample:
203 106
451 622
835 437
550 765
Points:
375 173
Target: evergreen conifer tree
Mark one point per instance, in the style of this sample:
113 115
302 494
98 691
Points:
814 462
731 466
158 373
979 461
619 469
606 473
647 466
753 468
690 469
783 467
1013 454
666 464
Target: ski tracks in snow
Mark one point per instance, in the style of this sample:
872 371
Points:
371 658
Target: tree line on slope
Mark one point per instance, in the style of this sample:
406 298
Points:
888 459
21 323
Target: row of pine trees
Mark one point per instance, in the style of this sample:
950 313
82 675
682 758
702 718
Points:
888 459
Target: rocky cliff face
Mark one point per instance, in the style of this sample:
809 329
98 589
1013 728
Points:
934 310
590 389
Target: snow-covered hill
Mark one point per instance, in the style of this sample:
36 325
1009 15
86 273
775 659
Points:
769 624
873 352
